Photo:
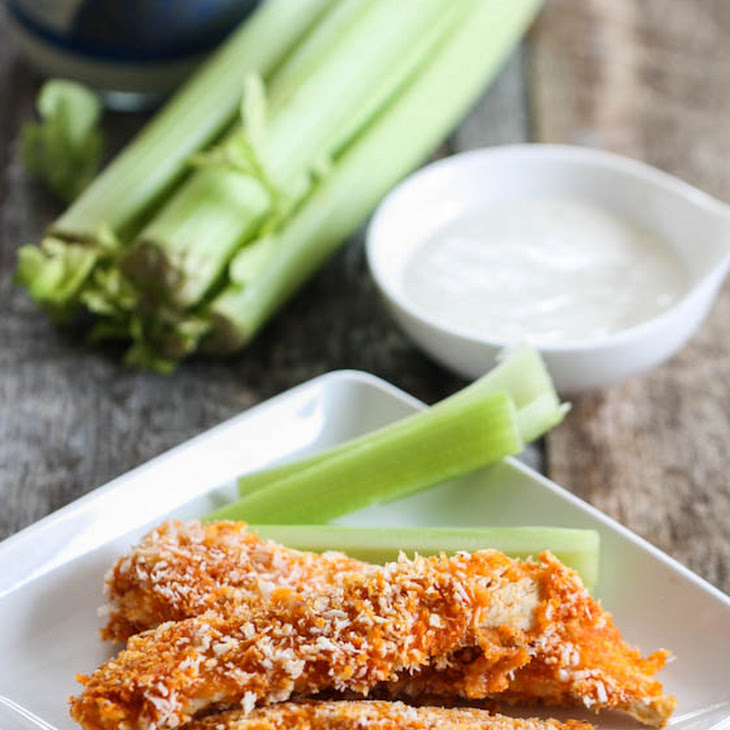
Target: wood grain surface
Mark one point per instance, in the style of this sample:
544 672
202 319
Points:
650 79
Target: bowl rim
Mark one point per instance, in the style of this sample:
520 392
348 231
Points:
645 173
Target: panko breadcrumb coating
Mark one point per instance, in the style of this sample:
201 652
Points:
577 658
373 715
352 636
379 626
180 570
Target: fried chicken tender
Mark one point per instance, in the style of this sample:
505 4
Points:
577 658
180 570
375 715
363 631
576 654
375 627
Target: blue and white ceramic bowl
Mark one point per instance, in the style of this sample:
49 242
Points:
135 50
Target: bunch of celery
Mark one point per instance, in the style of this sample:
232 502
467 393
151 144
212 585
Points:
254 173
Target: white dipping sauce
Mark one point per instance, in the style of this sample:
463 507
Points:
544 271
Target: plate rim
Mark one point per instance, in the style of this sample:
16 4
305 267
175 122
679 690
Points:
345 384
353 376
117 482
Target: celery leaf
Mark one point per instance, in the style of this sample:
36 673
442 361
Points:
64 147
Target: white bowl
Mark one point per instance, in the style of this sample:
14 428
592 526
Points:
695 224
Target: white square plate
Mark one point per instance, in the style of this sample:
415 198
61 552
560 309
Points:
51 573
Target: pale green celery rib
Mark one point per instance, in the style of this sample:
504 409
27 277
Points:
520 370
214 207
195 116
402 135
578 549
313 50
538 417
253 256
247 263
340 96
54 272
438 445
366 67
521 374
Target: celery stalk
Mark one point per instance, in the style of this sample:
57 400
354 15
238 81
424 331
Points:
134 183
398 139
198 232
215 206
538 417
337 99
312 52
370 90
437 446
194 117
578 549
521 374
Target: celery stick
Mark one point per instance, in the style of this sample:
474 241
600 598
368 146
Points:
538 417
521 373
249 261
312 52
335 101
55 273
437 446
398 139
410 61
188 270
329 106
519 370
578 549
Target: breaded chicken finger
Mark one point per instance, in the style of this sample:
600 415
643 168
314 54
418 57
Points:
579 659
364 631
180 570
374 715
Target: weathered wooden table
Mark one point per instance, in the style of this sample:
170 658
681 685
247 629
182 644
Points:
648 78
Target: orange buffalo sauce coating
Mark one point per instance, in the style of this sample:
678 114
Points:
528 631
577 657
357 634
374 715
180 570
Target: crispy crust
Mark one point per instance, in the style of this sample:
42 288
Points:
392 619
574 655
579 658
180 570
374 715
